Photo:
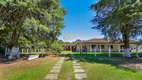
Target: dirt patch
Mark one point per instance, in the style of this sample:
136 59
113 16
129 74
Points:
132 66
133 60
134 63
26 62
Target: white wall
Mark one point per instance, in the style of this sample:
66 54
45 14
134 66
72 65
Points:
115 48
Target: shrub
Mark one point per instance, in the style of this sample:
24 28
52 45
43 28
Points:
56 48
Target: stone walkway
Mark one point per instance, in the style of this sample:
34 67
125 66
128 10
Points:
53 74
79 72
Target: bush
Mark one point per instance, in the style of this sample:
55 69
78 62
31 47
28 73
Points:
56 48
59 50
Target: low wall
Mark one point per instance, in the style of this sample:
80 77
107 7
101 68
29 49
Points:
31 57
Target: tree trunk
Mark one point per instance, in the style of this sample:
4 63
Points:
126 32
13 43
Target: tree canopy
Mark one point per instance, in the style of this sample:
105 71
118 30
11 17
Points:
30 22
113 15
118 19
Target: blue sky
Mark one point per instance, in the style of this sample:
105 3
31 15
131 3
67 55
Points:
77 20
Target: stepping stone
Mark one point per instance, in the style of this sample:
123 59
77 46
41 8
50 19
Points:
74 61
80 76
76 64
51 76
78 70
60 60
55 71
77 67
58 64
57 67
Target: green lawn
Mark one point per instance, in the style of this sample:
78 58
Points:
113 54
66 72
102 68
96 68
66 52
27 70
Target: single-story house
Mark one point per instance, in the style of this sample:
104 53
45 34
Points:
70 47
101 45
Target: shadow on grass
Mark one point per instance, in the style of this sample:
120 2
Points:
116 60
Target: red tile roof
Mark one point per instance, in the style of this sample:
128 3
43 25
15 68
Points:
99 40
102 40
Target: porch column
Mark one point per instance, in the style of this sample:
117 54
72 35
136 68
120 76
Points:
90 48
70 48
137 51
65 48
100 48
119 48
109 51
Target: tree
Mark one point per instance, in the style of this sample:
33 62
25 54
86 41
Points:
32 21
118 19
78 40
61 41
56 47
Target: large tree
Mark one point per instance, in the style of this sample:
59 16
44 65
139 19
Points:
119 19
32 21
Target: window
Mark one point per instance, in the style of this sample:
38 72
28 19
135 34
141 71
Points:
111 46
122 46
93 46
102 46
98 46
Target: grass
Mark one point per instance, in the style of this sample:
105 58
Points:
66 72
66 52
101 68
113 54
36 69
108 72
27 70
96 68
134 51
